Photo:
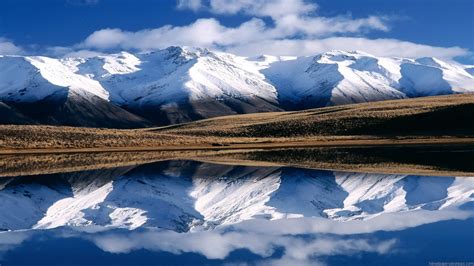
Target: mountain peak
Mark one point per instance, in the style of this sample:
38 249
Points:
344 52
180 84
340 55
187 51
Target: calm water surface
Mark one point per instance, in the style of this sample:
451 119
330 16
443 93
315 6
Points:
193 213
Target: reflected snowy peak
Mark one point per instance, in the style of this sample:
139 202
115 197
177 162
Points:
192 196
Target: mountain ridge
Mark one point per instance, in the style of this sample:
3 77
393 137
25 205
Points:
180 84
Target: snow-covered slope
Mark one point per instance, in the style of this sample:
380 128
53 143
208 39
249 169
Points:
47 91
339 77
183 84
184 196
29 79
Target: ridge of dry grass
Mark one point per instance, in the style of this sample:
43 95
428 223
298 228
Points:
439 117
397 117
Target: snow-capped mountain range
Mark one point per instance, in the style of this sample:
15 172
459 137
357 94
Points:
183 84
192 196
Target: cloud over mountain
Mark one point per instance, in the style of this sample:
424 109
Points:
276 27
282 27
8 47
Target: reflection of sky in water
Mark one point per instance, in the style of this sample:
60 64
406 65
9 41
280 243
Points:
197 213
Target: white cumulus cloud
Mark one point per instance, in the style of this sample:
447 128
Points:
378 47
289 36
277 27
270 8
290 19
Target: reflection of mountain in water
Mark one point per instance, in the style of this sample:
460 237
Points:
185 195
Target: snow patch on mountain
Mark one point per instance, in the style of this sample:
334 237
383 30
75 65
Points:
232 201
67 211
29 79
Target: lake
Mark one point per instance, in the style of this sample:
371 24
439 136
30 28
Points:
184 212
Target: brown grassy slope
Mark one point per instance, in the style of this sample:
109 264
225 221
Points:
439 115
432 116
20 137
74 137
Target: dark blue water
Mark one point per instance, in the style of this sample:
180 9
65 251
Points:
191 213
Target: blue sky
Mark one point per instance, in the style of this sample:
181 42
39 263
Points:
411 28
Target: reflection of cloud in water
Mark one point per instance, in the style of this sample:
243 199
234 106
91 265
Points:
214 244
301 241
263 237
218 244
10 240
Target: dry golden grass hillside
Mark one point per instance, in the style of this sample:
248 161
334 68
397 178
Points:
440 117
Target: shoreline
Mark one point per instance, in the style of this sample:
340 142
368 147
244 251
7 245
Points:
326 143
408 156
